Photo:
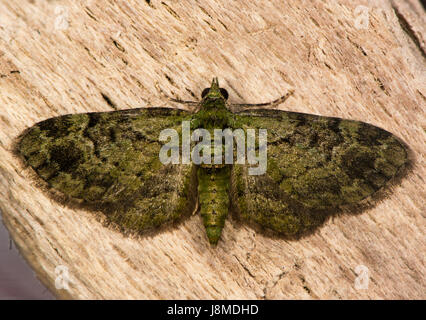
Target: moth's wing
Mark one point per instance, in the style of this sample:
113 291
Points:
315 165
109 161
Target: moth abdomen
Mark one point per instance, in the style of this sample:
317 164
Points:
213 193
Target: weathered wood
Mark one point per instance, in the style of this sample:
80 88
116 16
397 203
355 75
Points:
68 56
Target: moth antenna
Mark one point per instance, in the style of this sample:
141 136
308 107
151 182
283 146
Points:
239 106
192 104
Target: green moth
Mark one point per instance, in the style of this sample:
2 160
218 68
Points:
316 166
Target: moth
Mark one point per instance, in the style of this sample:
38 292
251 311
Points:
316 166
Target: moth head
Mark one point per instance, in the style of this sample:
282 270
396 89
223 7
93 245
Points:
214 92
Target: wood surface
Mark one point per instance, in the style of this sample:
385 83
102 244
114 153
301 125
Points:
60 57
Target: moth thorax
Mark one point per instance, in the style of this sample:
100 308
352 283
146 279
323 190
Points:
217 154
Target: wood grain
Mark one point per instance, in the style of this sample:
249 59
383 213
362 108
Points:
59 57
